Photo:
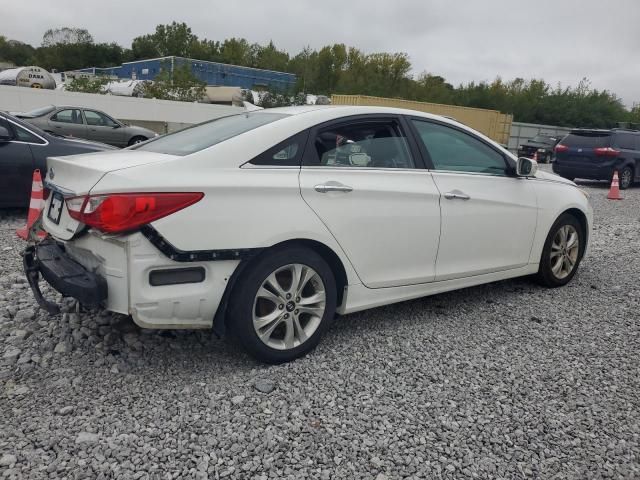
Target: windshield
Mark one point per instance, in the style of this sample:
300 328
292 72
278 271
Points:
544 139
588 139
204 135
40 111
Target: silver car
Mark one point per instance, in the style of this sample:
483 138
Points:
87 123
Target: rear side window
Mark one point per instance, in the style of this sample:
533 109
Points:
626 141
587 140
68 116
205 135
285 154
363 144
24 135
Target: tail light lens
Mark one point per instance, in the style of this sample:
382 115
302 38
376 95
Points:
561 148
121 212
606 152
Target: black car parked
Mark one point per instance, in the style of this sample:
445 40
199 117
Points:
23 148
542 145
596 154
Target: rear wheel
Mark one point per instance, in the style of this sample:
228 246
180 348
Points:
562 252
282 304
626 178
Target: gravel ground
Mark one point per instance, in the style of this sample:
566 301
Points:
507 380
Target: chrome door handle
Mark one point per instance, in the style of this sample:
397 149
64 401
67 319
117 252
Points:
456 195
333 187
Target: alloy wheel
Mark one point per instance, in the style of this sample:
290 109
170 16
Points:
289 306
565 249
625 178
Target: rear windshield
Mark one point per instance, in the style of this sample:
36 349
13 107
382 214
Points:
40 111
204 135
587 140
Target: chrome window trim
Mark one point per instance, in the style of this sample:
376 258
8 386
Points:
46 142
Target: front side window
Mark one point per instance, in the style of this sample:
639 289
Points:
205 135
68 116
98 119
364 144
456 151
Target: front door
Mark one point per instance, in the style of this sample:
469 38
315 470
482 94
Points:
16 170
103 128
488 215
362 180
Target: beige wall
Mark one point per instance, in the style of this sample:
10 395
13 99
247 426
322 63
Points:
492 123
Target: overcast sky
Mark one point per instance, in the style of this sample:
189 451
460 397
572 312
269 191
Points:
560 41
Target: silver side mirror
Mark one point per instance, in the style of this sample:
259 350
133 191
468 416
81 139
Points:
526 167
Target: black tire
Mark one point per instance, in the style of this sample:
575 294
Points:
241 302
138 139
626 178
545 275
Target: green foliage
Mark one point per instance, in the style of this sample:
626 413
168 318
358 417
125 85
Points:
87 84
15 52
334 68
179 85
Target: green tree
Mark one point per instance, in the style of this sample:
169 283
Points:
87 84
16 52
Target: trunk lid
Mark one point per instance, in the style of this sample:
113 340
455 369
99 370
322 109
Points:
76 175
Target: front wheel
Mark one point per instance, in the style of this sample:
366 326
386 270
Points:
562 252
626 178
136 140
281 305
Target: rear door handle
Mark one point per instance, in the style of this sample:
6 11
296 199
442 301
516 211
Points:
456 195
333 187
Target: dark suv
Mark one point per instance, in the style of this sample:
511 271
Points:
596 154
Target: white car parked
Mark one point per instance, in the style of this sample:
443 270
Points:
267 223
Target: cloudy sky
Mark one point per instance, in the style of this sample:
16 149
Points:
558 40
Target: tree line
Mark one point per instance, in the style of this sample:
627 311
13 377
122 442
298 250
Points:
333 69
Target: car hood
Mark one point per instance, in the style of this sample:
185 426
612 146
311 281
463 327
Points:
552 177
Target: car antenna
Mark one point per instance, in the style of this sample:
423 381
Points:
250 107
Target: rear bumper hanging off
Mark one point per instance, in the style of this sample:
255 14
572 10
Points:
64 274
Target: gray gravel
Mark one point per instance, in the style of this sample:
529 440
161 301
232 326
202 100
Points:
507 380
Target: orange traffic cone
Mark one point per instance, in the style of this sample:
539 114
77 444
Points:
36 205
614 191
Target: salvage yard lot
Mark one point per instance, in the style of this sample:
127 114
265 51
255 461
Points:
507 380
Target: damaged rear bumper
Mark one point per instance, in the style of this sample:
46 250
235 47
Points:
64 274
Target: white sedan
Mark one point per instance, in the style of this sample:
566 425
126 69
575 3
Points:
268 223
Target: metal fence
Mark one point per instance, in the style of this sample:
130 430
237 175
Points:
521 132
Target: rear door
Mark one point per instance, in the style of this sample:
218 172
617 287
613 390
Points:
68 122
363 179
16 168
103 128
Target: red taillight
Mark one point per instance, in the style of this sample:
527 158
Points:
606 152
561 148
120 212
